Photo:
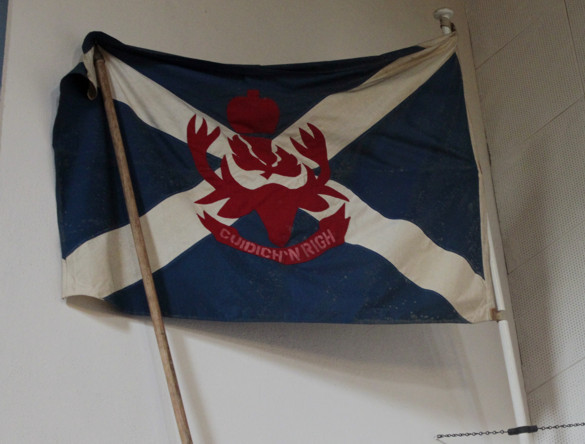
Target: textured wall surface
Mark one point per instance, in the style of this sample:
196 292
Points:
530 62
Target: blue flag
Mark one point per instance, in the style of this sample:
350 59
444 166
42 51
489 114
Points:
341 191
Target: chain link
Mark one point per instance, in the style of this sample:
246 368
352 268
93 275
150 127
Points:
461 435
503 432
562 426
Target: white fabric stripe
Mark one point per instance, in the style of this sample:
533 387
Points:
158 107
107 263
342 117
415 255
89 269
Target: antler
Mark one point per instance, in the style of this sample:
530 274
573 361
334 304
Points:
314 148
225 186
199 142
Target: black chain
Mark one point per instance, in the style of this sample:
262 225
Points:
513 431
461 435
562 426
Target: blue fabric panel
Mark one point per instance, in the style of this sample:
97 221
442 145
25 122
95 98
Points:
341 286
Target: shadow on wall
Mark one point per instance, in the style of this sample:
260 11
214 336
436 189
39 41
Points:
430 366
424 354
390 361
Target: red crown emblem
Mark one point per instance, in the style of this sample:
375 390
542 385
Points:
253 114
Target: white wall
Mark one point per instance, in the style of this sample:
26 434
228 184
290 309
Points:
69 374
530 59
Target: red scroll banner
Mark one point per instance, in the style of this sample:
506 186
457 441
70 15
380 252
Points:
331 233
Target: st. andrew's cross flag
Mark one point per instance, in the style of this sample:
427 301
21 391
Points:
341 191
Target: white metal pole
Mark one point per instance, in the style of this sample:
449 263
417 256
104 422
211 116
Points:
506 325
508 338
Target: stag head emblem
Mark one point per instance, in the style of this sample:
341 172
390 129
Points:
261 161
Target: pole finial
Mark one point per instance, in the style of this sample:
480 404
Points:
444 16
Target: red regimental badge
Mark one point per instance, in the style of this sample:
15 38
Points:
275 203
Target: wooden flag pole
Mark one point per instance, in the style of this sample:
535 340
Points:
140 245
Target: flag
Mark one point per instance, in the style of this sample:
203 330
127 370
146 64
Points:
340 191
